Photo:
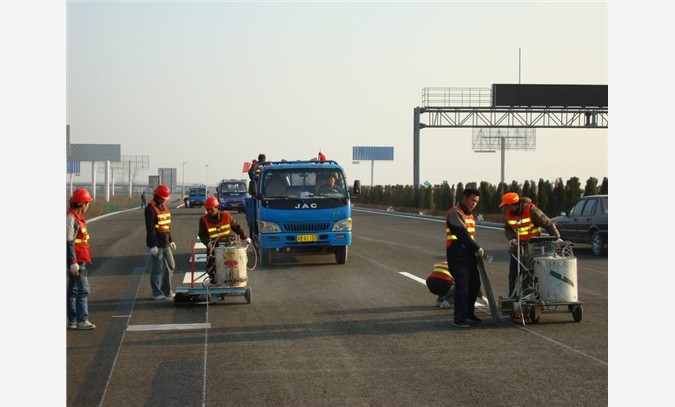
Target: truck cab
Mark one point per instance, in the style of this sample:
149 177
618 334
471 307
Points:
196 196
232 194
300 207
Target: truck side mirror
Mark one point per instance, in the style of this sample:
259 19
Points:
251 188
357 187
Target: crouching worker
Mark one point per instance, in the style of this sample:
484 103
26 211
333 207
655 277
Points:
217 225
441 283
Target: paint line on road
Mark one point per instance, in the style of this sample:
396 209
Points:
419 280
168 327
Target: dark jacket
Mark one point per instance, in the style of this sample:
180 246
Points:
152 236
464 248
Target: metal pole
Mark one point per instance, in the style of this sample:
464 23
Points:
372 171
183 188
503 157
416 148
207 176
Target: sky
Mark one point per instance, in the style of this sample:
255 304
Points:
213 84
217 83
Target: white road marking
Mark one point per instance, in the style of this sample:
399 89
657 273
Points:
168 327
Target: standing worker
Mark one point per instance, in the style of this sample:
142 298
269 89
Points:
261 159
215 225
251 170
158 239
523 221
77 256
462 253
143 199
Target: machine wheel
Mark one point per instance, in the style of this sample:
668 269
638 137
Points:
341 253
577 312
535 313
597 244
247 295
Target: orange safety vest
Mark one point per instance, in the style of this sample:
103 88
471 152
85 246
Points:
441 271
82 253
469 223
163 217
522 224
216 230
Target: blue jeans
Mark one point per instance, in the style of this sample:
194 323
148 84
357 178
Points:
76 296
163 265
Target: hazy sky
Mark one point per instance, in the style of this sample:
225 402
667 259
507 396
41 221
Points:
216 83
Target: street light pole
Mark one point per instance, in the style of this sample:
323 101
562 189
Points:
183 189
207 176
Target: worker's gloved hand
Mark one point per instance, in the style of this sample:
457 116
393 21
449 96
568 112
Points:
154 251
480 253
75 269
173 245
513 242
248 240
559 241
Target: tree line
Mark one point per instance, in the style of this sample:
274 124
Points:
551 197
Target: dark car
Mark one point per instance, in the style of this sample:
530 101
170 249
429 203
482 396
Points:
585 222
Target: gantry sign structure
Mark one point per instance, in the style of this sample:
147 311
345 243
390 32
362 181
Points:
510 106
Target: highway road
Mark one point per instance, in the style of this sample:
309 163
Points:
366 333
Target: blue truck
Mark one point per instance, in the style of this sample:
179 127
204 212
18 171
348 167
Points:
196 196
300 207
232 194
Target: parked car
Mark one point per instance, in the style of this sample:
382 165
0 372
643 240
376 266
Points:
585 222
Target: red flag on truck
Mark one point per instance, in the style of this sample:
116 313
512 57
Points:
247 166
322 157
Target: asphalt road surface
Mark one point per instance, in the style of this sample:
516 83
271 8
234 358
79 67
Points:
366 333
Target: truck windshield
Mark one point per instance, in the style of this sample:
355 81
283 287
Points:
233 187
198 191
304 183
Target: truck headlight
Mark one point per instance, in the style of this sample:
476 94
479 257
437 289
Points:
343 225
268 227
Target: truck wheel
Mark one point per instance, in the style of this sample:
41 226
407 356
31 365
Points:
265 257
597 243
341 254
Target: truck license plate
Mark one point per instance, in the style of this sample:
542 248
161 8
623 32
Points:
234 205
307 238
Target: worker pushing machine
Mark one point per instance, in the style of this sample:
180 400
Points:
523 222
215 226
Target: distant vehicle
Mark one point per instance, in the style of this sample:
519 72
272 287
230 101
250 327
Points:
196 196
231 194
586 222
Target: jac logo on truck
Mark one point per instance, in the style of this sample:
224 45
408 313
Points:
305 206
231 263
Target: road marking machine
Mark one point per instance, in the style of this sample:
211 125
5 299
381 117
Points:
226 273
546 282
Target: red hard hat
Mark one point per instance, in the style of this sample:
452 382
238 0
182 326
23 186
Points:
81 196
162 191
509 198
211 202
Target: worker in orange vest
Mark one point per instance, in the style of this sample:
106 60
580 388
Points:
77 256
523 221
161 244
214 226
441 283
